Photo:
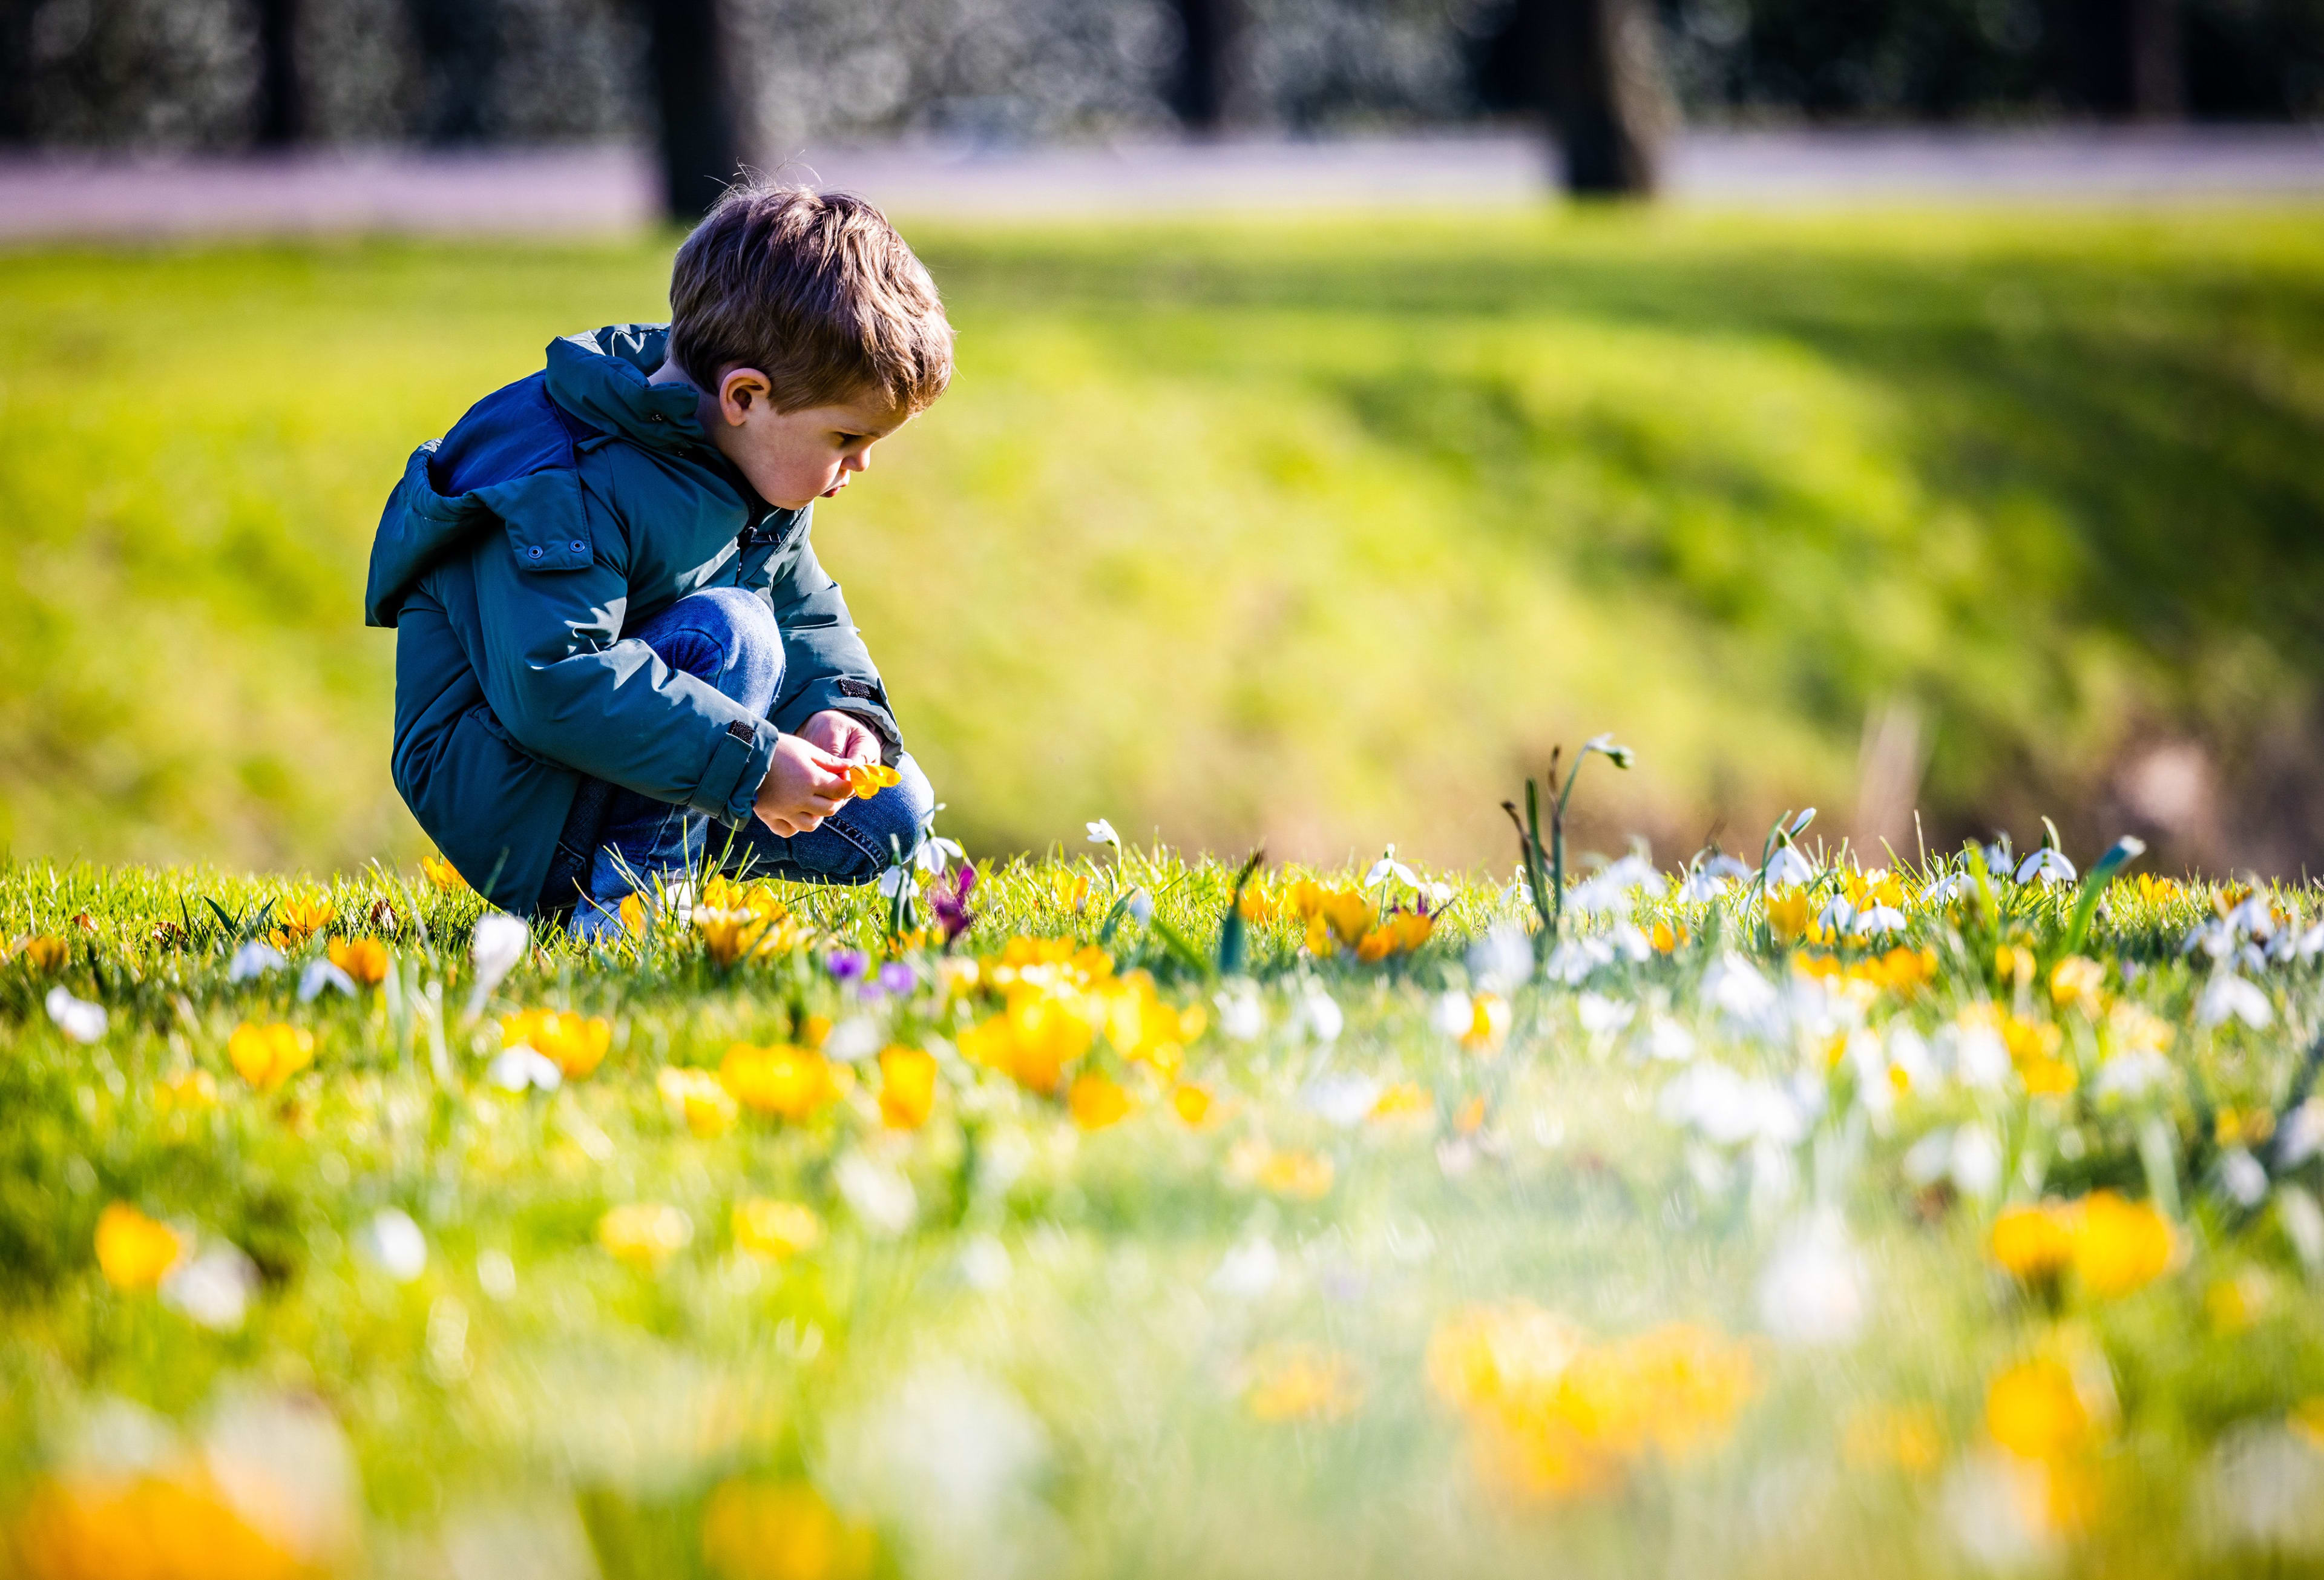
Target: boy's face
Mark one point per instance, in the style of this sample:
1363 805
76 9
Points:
792 457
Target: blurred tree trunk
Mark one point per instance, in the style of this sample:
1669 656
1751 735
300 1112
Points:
460 53
15 73
1205 89
2126 58
282 117
694 94
1606 95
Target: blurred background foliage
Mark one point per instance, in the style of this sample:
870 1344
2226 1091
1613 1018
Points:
194 74
1322 532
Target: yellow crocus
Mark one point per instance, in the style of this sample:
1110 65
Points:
133 1251
364 960
644 1233
775 1230
268 1056
698 1099
782 1530
789 1083
1097 1101
908 1087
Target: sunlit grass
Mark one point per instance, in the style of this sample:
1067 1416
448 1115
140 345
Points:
1319 530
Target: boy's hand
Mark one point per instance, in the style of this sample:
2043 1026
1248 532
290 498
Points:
843 735
804 785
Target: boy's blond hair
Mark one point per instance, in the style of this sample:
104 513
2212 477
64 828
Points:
815 290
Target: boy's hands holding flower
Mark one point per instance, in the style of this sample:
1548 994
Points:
843 735
804 785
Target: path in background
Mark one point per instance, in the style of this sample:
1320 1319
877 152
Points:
597 190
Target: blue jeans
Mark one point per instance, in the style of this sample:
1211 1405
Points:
728 637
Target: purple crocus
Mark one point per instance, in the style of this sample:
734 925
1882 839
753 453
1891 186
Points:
847 964
896 977
950 907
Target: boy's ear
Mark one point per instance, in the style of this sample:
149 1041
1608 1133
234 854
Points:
740 392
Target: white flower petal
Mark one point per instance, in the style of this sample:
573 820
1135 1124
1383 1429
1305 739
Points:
254 958
77 1019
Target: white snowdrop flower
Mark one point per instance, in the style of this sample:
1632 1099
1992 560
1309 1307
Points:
1574 961
1928 1160
1243 1015
1947 889
1601 1016
1669 1041
2133 1075
1811 1292
1908 1051
1609 890
285 1466
895 880
984 1264
1628 942
1869 1060
857 1038
1501 961
1712 878
254 958
1993 1505
951 1460
1452 1013
1876 921
2310 943
1733 984
1316 1014
77 1019
1438 894
1980 1059
881 1198
213 1289
321 976
2253 917
1140 906
1974 1160
2262 1487
1728 1108
521 1068
1838 915
2243 1178
936 853
1787 868
2302 1136
395 1244
2047 866
2302 1221
501 941
1344 1100
1100 832
2232 997
1388 867
1249 1270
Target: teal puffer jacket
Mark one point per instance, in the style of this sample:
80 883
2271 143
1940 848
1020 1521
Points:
559 512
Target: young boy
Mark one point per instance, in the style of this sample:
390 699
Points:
615 651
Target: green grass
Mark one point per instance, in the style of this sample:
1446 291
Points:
1055 1367
1318 531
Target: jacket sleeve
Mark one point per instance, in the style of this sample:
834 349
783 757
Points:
551 595
825 664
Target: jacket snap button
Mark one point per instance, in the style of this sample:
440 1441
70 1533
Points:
534 551
579 547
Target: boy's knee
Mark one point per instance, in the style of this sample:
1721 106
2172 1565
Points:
738 624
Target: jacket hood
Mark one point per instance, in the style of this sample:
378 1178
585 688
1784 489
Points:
601 378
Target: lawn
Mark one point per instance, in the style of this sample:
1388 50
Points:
1318 531
1914 1222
